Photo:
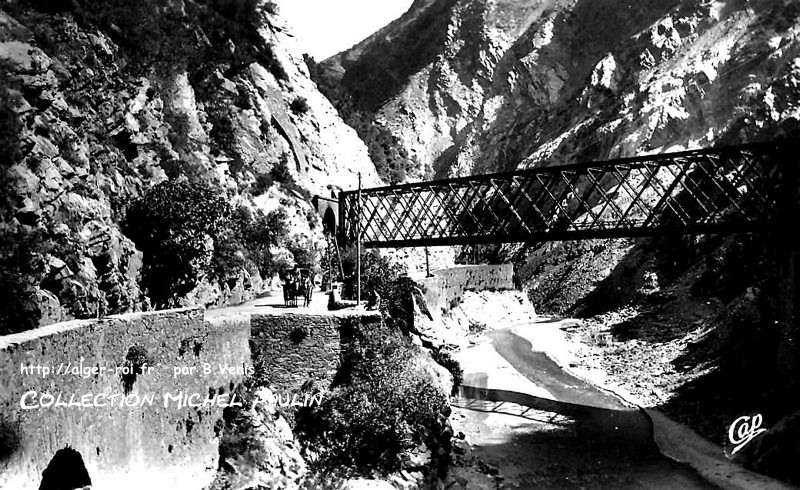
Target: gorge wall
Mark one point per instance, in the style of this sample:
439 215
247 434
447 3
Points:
459 87
100 101
456 87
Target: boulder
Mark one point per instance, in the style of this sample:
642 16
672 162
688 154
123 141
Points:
257 448
49 307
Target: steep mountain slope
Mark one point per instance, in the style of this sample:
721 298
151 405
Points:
458 87
102 100
469 86
704 327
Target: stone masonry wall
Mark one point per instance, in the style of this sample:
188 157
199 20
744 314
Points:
149 445
447 286
287 354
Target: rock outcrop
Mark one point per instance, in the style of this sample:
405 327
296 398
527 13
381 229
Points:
459 87
456 87
102 100
257 448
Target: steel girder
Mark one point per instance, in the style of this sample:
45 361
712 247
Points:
719 190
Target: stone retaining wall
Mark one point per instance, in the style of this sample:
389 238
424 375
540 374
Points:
447 286
148 445
287 353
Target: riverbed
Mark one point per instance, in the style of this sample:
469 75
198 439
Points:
528 423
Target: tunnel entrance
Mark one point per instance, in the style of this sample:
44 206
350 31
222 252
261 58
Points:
329 222
328 209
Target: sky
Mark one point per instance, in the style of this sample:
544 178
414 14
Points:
326 27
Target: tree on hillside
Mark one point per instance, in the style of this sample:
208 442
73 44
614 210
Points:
175 225
190 232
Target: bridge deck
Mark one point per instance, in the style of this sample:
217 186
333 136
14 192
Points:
719 190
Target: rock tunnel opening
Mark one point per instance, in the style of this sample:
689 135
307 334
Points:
329 222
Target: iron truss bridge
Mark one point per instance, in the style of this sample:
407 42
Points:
719 190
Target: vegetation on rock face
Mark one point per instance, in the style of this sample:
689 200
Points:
381 410
381 278
176 226
392 159
10 126
188 232
20 268
300 106
95 109
447 361
280 171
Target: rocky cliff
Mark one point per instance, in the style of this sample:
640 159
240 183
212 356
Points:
103 100
456 87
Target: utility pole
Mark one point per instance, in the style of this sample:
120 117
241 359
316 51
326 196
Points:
330 262
358 244
427 263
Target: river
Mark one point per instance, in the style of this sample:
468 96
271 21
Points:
528 423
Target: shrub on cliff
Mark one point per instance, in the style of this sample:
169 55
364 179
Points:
300 106
10 125
447 361
271 8
280 171
392 160
19 272
188 232
246 241
382 409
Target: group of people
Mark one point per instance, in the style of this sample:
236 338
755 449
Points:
298 283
